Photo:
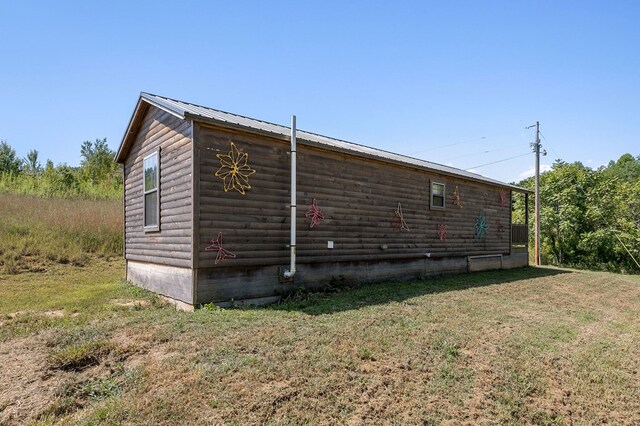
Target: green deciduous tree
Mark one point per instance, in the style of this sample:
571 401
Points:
97 177
9 161
563 210
61 180
97 165
590 218
626 168
31 163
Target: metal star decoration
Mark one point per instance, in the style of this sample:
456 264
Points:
234 170
503 198
500 228
442 232
398 220
481 226
216 245
456 197
314 213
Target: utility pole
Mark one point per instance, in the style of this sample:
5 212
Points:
536 148
537 230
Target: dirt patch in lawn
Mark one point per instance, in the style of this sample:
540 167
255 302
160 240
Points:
39 380
28 386
133 303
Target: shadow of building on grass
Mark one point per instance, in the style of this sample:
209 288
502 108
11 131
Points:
343 297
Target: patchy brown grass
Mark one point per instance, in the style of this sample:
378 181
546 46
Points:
38 232
531 346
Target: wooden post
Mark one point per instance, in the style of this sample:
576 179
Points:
526 208
526 213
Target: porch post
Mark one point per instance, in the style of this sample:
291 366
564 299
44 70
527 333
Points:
526 214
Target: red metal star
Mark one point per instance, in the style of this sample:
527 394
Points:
442 232
503 198
216 245
314 213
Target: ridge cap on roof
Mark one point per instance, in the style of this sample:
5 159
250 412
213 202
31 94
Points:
305 131
377 152
222 111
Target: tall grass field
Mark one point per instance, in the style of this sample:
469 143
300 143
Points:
81 346
36 232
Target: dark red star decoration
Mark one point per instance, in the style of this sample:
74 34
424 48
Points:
314 213
442 232
503 198
216 245
500 228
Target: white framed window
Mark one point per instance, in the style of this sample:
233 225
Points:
151 198
437 195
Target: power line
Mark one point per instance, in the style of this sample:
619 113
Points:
499 161
470 155
446 146
549 145
618 238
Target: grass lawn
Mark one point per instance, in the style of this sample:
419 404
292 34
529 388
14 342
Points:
529 346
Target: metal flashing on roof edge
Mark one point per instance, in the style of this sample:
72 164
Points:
186 110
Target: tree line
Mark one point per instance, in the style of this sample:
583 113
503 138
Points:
589 218
98 176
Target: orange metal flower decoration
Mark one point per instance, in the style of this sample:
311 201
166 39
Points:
398 220
456 197
234 170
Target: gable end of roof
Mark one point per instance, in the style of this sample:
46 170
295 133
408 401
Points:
188 111
142 106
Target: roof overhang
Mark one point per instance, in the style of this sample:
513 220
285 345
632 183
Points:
142 106
301 140
236 122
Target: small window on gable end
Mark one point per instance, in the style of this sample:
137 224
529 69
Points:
437 195
151 200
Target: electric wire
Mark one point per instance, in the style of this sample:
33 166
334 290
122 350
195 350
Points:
447 146
499 161
611 228
618 238
471 155
550 147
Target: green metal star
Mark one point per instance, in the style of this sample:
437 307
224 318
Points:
481 226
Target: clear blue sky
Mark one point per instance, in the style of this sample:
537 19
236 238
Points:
409 77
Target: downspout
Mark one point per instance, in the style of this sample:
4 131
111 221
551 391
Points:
292 245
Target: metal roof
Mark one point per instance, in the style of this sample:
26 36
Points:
186 110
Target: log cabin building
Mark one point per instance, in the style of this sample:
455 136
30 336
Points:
208 207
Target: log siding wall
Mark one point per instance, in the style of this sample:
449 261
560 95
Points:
171 246
357 196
